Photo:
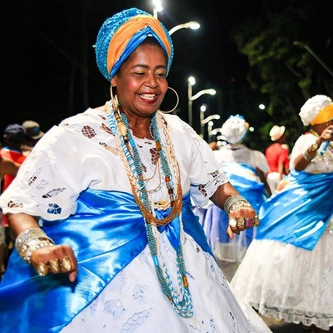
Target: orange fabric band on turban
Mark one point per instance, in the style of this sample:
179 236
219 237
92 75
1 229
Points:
326 114
122 36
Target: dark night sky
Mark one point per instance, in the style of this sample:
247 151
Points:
41 44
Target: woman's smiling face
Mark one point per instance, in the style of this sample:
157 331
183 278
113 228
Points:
141 80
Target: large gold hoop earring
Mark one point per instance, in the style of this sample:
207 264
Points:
177 102
114 100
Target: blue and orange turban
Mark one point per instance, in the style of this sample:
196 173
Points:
122 33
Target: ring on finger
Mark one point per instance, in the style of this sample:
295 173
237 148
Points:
248 222
240 222
42 269
66 264
54 265
256 221
232 222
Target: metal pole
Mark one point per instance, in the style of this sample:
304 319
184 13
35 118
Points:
307 47
203 108
190 114
201 123
210 127
188 25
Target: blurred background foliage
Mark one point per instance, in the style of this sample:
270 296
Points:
280 67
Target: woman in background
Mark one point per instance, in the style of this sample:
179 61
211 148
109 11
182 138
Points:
287 270
246 169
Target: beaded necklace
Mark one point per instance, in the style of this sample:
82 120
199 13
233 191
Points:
130 156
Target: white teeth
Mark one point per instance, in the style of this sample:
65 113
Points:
148 96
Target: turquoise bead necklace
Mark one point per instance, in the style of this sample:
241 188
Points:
130 156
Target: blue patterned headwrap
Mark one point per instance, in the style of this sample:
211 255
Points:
122 33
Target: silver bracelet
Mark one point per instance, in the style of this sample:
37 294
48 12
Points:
308 157
31 240
235 202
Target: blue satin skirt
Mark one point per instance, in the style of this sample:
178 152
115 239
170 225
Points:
106 233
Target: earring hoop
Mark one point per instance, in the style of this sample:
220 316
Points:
177 101
114 100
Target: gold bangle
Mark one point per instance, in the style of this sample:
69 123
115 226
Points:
314 147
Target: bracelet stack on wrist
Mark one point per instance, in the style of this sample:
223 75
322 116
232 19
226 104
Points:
313 148
235 202
30 240
308 157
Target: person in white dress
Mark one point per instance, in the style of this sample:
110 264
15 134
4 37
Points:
287 270
246 169
105 238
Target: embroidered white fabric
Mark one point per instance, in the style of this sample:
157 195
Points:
306 296
134 302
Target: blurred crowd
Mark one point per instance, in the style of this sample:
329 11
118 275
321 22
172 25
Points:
17 142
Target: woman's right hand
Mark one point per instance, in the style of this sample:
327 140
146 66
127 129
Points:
59 259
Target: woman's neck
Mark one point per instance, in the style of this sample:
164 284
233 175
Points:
140 126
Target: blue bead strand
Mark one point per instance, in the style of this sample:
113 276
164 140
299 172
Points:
183 307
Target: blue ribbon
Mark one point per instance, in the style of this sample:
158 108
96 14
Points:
300 211
106 233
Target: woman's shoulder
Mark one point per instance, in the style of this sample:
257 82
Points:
175 123
170 118
88 122
89 115
305 138
91 124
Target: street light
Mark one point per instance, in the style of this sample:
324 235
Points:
212 117
307 47
219 138
210 127
216 130
157 7
208 120
191 82
203 108
188 25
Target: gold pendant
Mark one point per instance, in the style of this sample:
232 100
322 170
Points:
122 128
